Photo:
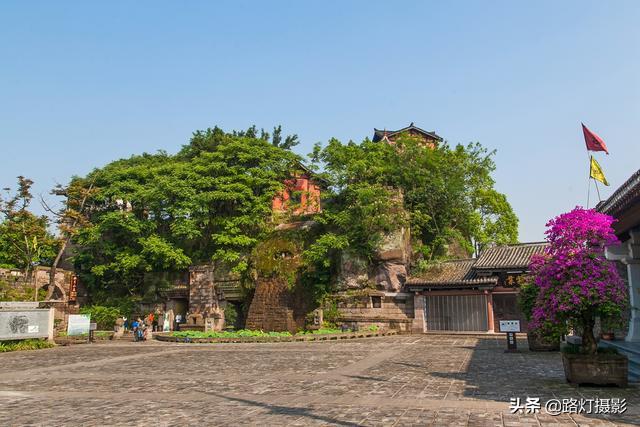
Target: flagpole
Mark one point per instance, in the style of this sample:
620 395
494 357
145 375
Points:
589 179
594 143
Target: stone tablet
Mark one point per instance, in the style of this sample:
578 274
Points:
24 324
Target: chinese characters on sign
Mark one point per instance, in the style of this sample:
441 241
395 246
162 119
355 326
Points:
73 291
510 327
532 405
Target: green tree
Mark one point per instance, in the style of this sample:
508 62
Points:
71 217
161 213
289 141
24 239
447 192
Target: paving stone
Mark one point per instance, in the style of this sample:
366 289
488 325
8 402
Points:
398 380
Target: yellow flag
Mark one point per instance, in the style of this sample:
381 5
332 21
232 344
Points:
596 173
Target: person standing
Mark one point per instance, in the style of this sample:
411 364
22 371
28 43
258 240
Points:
154 321
178 321
134 327
140 329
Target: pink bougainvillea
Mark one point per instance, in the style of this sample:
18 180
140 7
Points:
576 282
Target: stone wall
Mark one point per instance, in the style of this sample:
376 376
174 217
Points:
275 308
396 310
17 278
203 296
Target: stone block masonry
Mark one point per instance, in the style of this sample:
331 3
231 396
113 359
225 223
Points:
203 295
274 308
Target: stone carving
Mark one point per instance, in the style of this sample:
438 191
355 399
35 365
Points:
195 319
215 320
19 324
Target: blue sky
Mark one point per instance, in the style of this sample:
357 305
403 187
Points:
84 83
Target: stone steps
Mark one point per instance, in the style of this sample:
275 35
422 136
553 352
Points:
127 336
632 351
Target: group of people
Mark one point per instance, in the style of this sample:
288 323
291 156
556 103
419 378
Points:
153 322
156 321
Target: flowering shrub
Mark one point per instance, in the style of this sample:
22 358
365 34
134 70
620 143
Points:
576 282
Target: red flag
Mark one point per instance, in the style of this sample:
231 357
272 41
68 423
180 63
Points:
593 141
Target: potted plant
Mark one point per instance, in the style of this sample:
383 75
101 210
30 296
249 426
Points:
608 326
537 339
576 284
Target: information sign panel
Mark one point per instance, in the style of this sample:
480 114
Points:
79 324
510 326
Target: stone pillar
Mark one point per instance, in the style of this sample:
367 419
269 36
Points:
633 272
52 316
419 325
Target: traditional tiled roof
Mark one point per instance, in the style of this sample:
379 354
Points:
621 199
451 274
378 134
314 175
505 257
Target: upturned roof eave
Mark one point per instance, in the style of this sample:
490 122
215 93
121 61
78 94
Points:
381 132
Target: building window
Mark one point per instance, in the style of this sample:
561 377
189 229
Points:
376 302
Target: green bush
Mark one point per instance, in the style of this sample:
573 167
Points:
104 317
527 298
230 315
331 313
19 345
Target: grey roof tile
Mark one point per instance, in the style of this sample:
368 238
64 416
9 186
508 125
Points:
517 256
447 274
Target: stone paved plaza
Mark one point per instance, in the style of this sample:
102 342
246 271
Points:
400 380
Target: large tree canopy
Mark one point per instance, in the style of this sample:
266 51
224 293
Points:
448 193
161 212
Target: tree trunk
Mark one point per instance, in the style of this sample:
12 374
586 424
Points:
53 270
31 279
589 343
65 242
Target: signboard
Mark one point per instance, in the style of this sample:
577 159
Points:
509 326
18 305
78 324
73 290
25 324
